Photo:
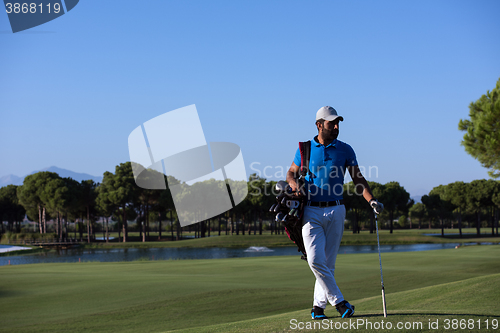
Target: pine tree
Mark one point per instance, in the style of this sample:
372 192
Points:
482 140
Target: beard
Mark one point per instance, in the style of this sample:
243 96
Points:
329 135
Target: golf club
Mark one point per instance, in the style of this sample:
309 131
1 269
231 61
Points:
279 216
281 186
380 261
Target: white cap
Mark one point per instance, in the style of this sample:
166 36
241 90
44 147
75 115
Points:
328 113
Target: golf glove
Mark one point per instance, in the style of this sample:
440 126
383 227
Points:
378 207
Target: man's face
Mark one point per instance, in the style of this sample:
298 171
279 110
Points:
330 129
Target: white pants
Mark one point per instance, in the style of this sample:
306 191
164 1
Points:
322 232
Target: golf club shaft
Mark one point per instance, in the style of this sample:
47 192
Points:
383 302
380 261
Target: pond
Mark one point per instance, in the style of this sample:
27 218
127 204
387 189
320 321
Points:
115 255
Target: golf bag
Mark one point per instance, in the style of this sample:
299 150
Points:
289 206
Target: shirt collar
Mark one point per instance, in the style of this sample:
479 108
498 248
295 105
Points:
316 142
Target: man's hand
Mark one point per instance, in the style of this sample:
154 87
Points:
293 185
378 207
291 175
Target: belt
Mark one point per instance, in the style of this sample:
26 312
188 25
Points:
325 203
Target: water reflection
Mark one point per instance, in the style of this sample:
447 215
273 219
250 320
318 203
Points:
131 254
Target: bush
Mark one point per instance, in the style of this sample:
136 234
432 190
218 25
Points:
402 221
28 236
133 227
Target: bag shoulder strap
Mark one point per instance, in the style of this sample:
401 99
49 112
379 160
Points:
305 155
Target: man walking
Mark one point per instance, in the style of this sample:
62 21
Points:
323 219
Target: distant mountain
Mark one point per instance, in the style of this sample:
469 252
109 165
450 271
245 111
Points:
71 174
15 180
11 179
417 194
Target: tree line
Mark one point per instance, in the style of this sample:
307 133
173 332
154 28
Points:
476 203
45 196
459 204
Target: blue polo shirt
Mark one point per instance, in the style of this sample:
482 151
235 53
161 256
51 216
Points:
327 166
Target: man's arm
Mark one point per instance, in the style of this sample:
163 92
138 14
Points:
360 182
291 175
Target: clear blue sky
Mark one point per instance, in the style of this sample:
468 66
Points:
402 73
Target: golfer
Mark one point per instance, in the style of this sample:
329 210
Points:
323 219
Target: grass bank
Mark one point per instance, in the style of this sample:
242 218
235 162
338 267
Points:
414 236
243 294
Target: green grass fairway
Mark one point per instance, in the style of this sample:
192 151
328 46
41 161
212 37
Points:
246 294
438 308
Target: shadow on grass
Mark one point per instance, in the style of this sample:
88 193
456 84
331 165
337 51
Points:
10 293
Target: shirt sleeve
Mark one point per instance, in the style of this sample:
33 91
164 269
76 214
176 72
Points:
297 159
350 157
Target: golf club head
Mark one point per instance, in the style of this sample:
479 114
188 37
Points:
281 186
279 216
